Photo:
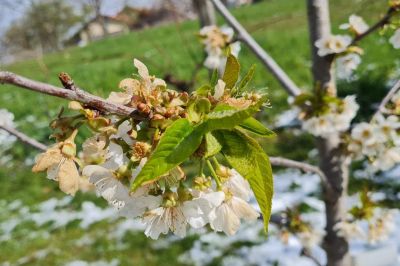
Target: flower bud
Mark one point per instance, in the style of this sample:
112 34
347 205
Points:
223 172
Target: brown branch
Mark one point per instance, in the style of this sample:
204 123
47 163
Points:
382 22
388 97
307 253
279 161
24 138
75 94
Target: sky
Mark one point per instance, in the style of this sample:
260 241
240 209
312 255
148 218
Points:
12 10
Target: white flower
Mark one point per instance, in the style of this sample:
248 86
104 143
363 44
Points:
6 118
123 132
130 86
333 44
380 229
356 24
117 194
219 89
114 157
321 126
59 162
216 40
365 133
350 106
349 230
395 39
162 219
199 211
214 61
310 239
150 82
228 214
387 127
238 185
94 149
347 64
387 159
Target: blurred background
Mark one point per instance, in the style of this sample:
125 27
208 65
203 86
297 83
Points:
95 42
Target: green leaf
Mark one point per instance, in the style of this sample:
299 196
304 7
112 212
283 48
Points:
203 90
249 76
302 98
178 142
213 147
231 73
226 117
246 156
214 78
202 105
253 125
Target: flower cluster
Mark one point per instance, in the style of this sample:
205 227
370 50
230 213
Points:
335 118
347 55
294 224
218 43
116 160
367 221
378 141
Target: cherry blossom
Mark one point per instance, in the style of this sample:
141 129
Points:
333 44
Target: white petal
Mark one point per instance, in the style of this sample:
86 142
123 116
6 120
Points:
142 69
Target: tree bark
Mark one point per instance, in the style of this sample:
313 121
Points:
206 12
333 163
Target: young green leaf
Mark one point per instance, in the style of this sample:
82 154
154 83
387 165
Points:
214 78
231 74
249 76
225 117
253 125
203 90
213 147
177 143
246 156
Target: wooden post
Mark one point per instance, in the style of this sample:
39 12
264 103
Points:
206 12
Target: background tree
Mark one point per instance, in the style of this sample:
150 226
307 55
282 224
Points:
42 26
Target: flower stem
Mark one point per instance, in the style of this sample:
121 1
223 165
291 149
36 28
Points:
201 167
214 175
216 162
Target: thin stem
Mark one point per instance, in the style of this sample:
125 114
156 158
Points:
388 97
217 165
201 167
382 22
214 175
24 138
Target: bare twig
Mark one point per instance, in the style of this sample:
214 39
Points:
75 94
264 57
382 22
388 97
279 161
307 253
24 138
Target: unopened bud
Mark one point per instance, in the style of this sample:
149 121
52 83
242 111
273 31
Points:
223 172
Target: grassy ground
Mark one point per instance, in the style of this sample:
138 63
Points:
278 25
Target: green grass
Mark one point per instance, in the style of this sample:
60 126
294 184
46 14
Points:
280 26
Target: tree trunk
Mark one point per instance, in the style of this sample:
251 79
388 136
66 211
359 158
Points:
332 162
206 12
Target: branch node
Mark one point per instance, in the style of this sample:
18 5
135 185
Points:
66 81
